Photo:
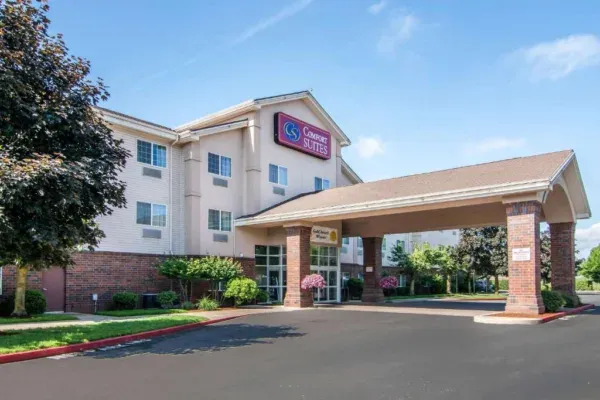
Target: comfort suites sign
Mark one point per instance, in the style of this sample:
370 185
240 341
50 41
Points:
298 135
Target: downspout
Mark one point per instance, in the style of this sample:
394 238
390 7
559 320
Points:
171 195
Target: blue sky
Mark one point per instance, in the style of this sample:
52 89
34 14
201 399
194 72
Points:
417 85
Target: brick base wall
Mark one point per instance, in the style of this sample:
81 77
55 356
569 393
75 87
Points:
562 237
106 273
372 293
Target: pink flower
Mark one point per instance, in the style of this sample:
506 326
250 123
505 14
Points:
389 282
312 281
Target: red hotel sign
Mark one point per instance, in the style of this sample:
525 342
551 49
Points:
299 135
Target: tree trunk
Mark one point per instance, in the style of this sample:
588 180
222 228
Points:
412 285
496 284
20 310
448 284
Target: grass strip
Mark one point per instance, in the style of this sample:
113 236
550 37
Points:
43 338
38 318
140 312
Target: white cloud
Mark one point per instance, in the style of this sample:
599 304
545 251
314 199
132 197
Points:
368 147
587 239
494 144
557 59
376 8
400 29
286 12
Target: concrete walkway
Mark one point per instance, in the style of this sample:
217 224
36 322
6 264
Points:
91 319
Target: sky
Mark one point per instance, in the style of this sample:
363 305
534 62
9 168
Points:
416 85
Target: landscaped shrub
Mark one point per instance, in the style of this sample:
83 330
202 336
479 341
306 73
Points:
571 301
553 301
207 304
242 290
188 305
35 303
583 284
402 291
262 296
503 284
355 287
167 298
124 301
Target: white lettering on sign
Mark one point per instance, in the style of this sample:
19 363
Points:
324 235
521 254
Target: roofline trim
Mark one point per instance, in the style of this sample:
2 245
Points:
400 202
558 175
134 123
350 171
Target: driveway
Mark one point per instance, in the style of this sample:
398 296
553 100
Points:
332 354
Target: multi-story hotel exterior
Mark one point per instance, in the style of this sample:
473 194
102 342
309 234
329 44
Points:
251 182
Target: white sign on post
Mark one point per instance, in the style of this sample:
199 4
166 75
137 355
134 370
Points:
521 254
324 235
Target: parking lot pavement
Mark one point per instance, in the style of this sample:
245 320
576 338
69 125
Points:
329 354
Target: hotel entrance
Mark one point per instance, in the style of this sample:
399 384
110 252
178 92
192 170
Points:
325 260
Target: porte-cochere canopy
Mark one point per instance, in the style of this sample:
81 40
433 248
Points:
519 193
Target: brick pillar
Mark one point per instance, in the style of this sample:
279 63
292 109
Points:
372 293
562 256
524 248
298 266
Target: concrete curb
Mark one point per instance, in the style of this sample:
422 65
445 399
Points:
75 348
491 319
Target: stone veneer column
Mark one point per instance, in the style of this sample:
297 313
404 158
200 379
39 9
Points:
523 222
562 256
298 266
372 293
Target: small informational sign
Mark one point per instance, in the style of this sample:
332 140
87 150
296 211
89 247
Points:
369 269
299 135
521 254
324 235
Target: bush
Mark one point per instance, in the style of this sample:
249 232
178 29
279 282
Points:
124 301
553 301
242 290
403 291
207 304
571 301
188 305
583 284
436 284
167 298
355 287
503 284
35 303
262 296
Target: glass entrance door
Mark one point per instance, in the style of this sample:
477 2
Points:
271 270
324 261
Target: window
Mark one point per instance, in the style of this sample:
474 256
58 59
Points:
361 276
383 244
151 214
270 270
219 220
345 279
152 153
219 165
401 280
321 183
360 244
345 241
278 175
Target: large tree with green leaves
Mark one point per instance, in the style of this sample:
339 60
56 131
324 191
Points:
590 268
59 161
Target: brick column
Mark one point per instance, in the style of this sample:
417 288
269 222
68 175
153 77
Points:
372 293
298 266
523 221
562 256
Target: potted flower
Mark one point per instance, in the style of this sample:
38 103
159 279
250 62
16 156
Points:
389 285
312 281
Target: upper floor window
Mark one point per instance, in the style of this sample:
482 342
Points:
152 153
383 244
346 241
321 183
219 220
219 165
151 214
278 174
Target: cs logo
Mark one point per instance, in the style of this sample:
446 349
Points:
291 131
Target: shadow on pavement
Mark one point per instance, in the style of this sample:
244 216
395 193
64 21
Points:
452 305
209 338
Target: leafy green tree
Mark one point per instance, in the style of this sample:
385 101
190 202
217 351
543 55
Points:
591 266
545 257
422 259
183 271
400 258
216 270
447 262
52 135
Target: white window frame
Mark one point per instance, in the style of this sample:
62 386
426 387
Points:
220 220
279 167
152 154
220 174
152 205
323 180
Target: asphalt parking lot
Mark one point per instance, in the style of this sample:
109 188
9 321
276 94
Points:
331 354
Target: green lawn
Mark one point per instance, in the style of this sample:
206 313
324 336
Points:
440 296
135 313
38 318
32 339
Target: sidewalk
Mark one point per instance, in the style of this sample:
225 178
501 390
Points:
90 319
